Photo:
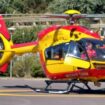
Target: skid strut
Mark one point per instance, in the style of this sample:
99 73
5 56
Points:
71 84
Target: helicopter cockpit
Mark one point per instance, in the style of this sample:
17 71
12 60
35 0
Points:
84 49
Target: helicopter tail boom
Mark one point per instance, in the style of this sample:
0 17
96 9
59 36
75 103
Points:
25 48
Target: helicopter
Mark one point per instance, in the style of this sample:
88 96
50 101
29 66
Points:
63 51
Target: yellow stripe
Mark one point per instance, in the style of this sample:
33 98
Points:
54 95
16 90
4 92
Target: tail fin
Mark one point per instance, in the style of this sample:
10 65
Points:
3 28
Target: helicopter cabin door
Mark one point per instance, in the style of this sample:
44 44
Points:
77 56
54 56
65 57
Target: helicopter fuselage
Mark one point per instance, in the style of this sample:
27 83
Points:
60 50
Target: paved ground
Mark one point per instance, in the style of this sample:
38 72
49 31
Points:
21 92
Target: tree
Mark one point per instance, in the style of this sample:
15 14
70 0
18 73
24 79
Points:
84 6
55 6
5 6
23 6
36 6
25 35
99 6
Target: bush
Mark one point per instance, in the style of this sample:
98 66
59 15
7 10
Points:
27 66
25 35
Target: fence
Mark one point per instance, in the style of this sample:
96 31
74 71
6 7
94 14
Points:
27 21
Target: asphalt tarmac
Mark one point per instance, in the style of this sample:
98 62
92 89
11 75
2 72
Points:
22 92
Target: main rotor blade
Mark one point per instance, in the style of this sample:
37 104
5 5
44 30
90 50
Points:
89 15
37 16
66 16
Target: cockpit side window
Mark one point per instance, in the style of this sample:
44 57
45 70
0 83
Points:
48 53
57 52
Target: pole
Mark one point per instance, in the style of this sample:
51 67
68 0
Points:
11 69
11 62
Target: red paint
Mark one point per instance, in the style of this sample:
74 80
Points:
83 30
75 74
78 28
24 44
78 74
4 68
46 31
3 29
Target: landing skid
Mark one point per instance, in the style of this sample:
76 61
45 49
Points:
71 84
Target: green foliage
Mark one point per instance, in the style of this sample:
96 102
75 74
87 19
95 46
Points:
59 6
8 23
36 6
23 6
27 66
99 6
5 6
85 6
25 35
36 68
55 6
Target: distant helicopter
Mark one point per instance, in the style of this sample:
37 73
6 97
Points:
68 54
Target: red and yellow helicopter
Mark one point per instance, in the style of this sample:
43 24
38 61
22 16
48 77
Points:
71 53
